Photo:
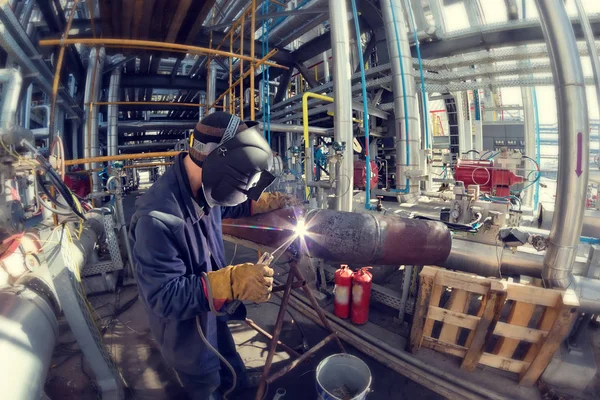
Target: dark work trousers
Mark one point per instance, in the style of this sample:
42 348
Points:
210 386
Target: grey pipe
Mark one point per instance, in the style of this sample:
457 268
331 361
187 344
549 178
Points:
391 22
12 80
113 112
27 107
202 110
590 41
212 86
27 337
574 139
154 125
340 46
91 144
317 130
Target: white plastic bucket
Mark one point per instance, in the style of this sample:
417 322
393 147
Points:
343 373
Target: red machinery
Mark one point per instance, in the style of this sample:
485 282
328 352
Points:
360 174
343 287
496 182
361 295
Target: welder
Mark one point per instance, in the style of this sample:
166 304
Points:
184 282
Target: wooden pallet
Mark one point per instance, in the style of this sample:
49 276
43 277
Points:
492 335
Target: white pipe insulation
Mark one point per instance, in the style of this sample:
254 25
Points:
12 81
403 84
574 143
113 112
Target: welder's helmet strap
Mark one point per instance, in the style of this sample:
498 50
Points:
207 138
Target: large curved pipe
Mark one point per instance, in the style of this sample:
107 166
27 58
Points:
574 139
28 331
113 112
495 261
350 237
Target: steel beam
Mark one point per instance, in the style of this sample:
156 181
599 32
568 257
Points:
158 81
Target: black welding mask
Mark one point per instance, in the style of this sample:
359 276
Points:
238 167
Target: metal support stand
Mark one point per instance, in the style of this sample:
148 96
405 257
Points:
294 280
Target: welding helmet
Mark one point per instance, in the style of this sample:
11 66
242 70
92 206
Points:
235 158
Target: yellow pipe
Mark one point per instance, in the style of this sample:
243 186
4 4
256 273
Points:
122 157
305 98
152 45
57 71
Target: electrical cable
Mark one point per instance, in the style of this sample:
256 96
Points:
223 360
451 225
471 151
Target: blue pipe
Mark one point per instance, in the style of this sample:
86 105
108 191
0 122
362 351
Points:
363 80
407 184
589 240
422 75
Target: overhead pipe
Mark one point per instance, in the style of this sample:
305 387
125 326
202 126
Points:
156 146
113 112
349 237
342 70
91 143
316 130
153 125
405 97
12 81
574 139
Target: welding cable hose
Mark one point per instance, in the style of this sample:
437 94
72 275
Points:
219 356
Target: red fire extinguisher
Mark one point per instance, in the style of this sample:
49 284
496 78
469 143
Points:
361 295
343 286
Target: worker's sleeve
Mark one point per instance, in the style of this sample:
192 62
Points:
161 273
239 211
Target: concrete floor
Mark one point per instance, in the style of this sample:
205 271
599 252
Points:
136 353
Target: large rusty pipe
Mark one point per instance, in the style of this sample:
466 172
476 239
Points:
337 236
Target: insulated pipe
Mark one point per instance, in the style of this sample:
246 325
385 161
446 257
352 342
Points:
113 112
93 87
350 237
317 130
574 139
342 70
405 96
489 260
530 148
212 86
12 81
153 125
28 332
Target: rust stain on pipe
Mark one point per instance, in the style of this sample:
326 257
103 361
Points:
350 237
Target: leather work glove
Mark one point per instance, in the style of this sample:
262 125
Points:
251 282
273 201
